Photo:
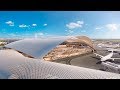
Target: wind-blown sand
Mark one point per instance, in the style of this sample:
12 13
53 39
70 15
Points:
10 58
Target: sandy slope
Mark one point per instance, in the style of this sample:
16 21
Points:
35 47
10 58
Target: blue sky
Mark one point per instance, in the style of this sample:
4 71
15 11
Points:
36 24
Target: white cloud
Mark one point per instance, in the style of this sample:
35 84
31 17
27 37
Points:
83 31
71 31
23 26
38 35
113 27
80 22
10 23
34 25
73 25
98 28
45 25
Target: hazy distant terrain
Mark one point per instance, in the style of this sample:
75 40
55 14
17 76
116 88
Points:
3 42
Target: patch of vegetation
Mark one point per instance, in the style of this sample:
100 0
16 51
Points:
2 41
2 44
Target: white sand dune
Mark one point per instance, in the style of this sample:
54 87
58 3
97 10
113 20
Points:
9 58
15 65
36 47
